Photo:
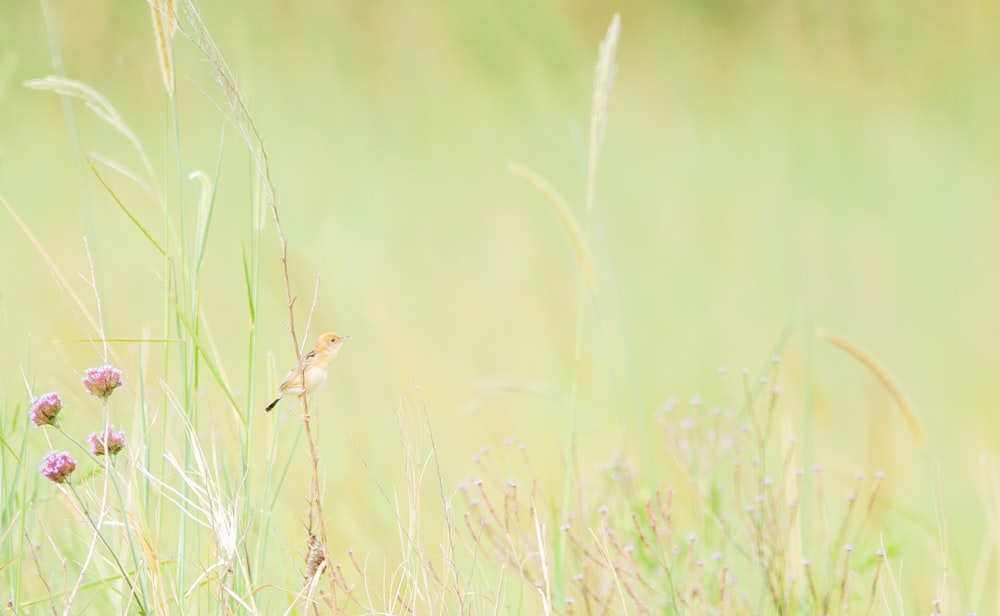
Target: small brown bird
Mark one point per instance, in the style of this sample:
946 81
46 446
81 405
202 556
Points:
314 365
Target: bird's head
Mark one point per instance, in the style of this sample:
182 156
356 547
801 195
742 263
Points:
331 342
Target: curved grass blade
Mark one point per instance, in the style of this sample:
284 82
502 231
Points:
562 211
884 378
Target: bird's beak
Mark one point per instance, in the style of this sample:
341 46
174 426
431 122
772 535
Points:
343 338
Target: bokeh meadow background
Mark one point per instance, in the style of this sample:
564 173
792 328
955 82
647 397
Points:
768 168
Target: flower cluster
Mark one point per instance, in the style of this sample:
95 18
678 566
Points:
44 409
103 380
57 466
110 443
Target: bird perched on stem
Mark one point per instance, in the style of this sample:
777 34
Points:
310 374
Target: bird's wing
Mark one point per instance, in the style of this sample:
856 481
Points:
294 373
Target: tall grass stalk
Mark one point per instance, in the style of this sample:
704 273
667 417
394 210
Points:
603 79
242 120
68 116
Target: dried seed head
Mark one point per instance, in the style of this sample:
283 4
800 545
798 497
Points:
314 557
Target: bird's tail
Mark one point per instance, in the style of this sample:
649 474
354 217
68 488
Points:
272 405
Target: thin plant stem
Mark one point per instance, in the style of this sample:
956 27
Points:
114 555
110 471
603 76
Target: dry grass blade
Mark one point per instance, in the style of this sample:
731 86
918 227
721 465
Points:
989 488
60 278
793 551
96 102
562 211
546 591
888 382
128 173
605 553
488 389
239 113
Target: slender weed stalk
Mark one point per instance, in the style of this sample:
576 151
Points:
581 238
241 119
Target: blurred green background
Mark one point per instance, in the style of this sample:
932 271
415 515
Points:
769 167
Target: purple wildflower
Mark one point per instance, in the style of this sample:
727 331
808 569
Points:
57 466
109 444
44 409
103 380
